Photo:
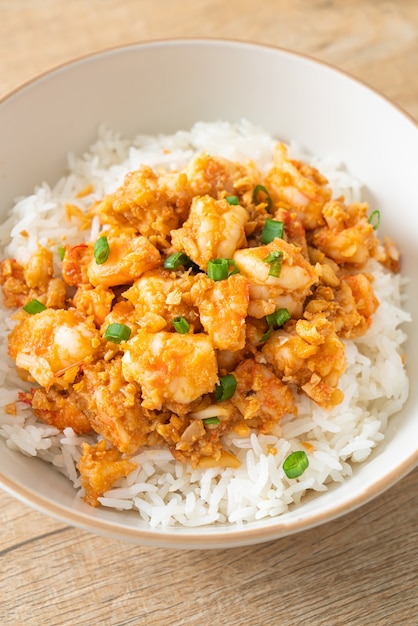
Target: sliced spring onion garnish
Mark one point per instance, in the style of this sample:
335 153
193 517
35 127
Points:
374 219
226 387
232 199
101 250
274 259
218 269
117 333
271 230
295 464
176 260
212 420
278 318
61 252
34 306
260 194
181 325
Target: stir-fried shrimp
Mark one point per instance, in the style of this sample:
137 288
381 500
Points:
135 338
349 305
261 397
218 177
57 408
112 405
53 345
294 229
95 301
75 263
347 236
160 296
308 354
170 367
223 309
213 229
129 257
269 290
151 204
22 283
298 187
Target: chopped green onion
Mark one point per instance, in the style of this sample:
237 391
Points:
176 260
34 306
226 388
181 325
278 318
295 464
274 259
101 250
256 193
117 333
374 219
232 199
61 252
271 230
218 269
211 420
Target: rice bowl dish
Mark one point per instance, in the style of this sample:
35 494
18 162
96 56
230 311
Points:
164 491
43 122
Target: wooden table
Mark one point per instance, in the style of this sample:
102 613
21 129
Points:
358 570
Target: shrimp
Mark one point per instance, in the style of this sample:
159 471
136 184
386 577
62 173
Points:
213 229
151 204
129 257
310 355
95 301
219 177
347 236
56 408
112 405
294 229
75 263
223 308
22 283
287 290
99 468
349 305
298 187
159 296
122 313
261 397
170 367
52 345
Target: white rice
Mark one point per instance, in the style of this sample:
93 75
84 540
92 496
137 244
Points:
162 491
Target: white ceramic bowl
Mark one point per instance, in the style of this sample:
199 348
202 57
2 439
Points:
164 86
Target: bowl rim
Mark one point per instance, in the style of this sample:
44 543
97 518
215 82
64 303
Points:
221 536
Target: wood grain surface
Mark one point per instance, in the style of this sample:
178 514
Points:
359 570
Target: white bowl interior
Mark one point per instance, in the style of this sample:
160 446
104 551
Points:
165 86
